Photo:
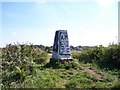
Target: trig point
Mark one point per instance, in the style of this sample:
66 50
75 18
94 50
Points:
61 48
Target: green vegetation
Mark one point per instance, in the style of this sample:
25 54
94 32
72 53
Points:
105 57
62 64
18 61
26 66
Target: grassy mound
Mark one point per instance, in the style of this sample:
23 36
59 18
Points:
25 66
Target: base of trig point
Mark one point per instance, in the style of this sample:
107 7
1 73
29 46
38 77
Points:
62 60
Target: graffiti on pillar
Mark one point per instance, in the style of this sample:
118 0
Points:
64 48
55 46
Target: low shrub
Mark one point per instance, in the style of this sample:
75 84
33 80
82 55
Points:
107 57
18 61
76 54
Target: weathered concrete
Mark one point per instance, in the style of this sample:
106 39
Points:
61 48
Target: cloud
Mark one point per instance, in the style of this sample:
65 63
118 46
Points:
41 1
106 3
14 33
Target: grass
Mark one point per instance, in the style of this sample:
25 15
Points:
72 78
35 71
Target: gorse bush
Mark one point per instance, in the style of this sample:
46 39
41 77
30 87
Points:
93 54
111 57
108 57
18 60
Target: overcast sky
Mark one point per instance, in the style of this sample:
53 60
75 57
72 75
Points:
93 22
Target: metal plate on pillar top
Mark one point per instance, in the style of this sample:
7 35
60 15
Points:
61 48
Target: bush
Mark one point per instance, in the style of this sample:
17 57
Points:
93 54
108 57
75 54
41 57
19 59
112 56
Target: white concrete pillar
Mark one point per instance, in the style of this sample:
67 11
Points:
61 48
